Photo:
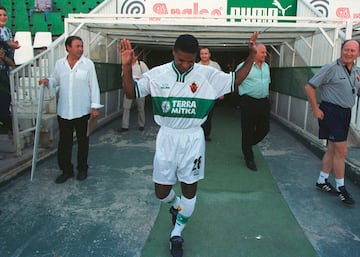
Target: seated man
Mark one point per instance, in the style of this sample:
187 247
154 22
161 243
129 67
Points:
41 6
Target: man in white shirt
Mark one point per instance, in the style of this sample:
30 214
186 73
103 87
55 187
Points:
79 97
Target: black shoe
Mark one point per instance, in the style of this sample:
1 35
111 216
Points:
344 196
81 175
123 130
326 187
251 165
141 128
174 213
176 249
63 177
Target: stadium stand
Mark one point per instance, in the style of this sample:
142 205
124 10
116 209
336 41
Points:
42 39
23 54
24 28
55 23
24 38
80 7
63 7
6 3
38 23
26 50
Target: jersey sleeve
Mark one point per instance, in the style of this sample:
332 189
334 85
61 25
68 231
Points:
142 86
222 83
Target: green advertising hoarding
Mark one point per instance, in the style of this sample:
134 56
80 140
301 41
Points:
264 8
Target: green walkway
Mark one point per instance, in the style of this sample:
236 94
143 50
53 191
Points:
239 212
114 212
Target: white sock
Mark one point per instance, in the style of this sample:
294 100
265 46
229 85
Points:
172 198
339 183
176 202
186 208
169 198
322 177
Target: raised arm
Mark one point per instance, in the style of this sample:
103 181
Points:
242 73
127 55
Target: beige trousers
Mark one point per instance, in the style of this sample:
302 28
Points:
140 102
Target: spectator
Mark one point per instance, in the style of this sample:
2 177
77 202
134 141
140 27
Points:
41 6
7 46
79 98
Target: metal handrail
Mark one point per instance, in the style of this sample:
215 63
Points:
37 132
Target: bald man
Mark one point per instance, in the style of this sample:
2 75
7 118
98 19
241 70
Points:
254 105
339 82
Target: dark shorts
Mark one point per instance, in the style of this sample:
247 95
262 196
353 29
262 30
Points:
336 122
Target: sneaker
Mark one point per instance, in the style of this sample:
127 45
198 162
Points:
344 196
176 249
63 177
326 187
174 213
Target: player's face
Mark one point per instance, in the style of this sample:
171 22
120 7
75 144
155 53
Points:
350 52
183 61
3 18
76 49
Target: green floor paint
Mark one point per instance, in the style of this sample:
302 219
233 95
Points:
239 213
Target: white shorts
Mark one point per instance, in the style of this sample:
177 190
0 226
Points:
179 155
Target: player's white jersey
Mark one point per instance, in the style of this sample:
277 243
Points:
183 100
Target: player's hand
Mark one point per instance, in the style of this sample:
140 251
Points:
126 51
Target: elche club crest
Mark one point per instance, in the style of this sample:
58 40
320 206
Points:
194 87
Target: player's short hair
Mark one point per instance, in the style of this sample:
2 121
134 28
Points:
187 43
70 39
